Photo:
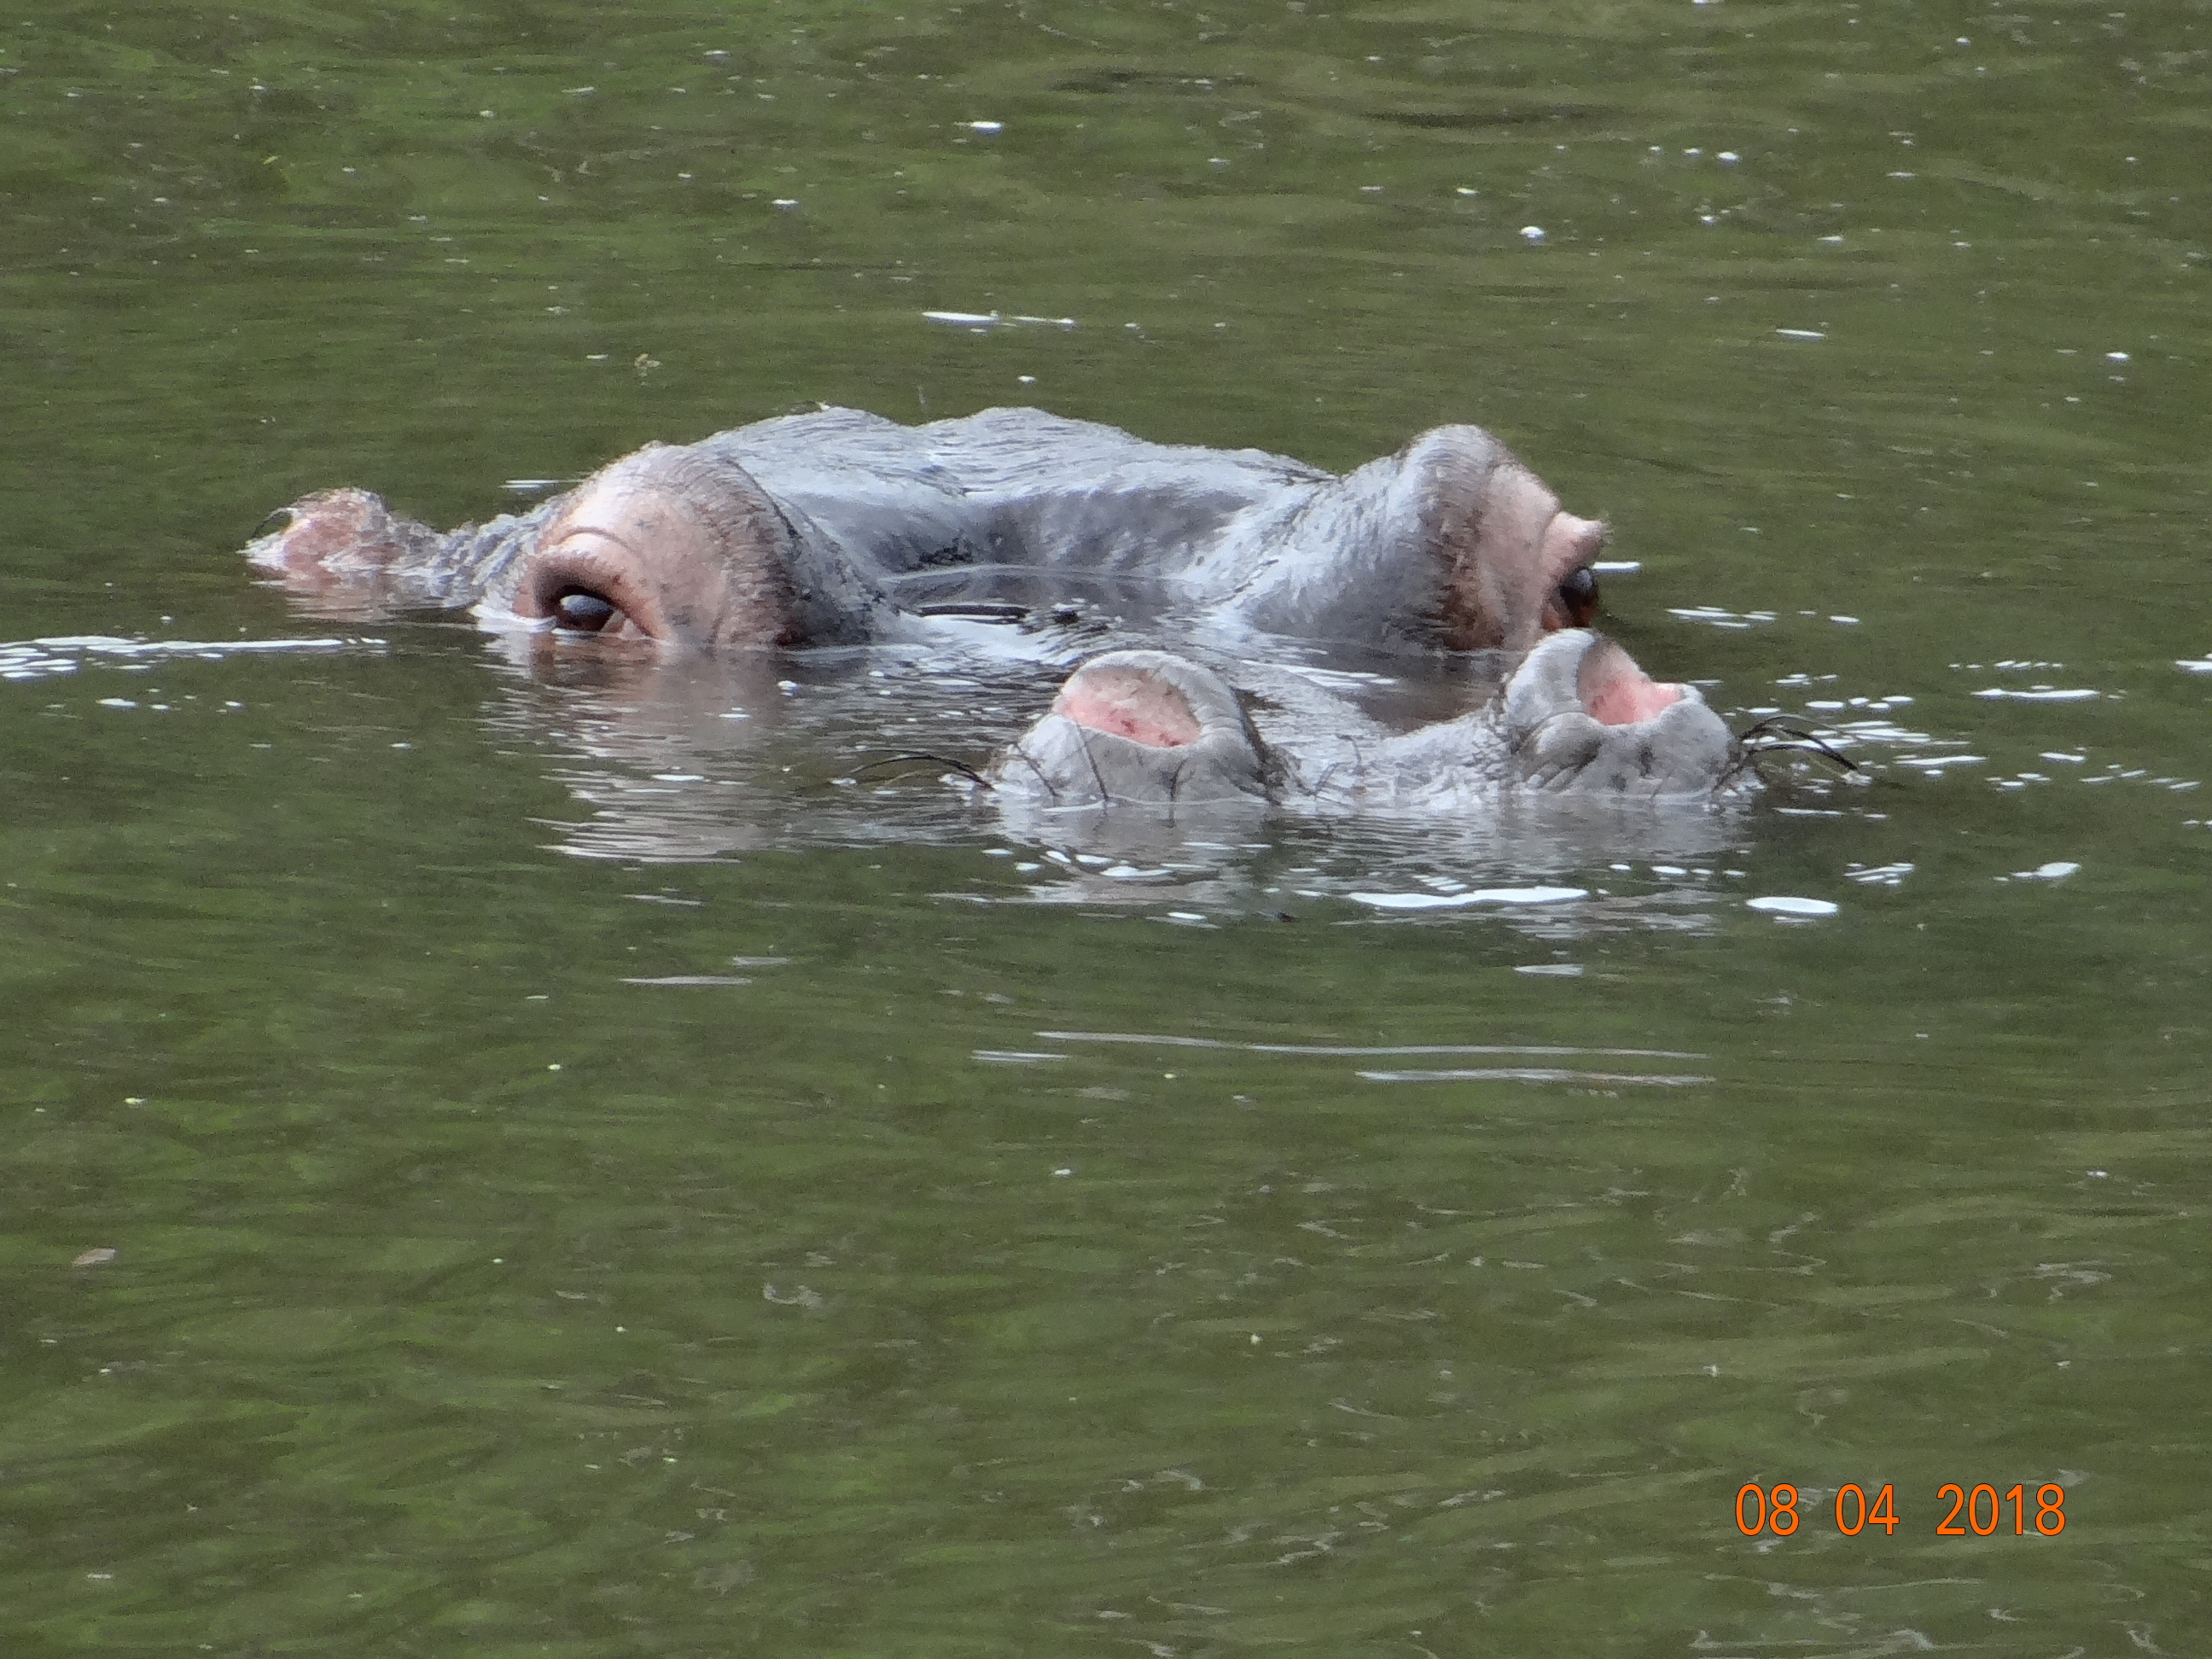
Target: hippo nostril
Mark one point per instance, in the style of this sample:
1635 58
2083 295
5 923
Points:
1130 703
1578 596
579 611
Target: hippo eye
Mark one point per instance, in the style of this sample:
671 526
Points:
1578 596
579 611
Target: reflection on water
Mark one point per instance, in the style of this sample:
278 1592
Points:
1463 1074
36 659
684 760
1329 1049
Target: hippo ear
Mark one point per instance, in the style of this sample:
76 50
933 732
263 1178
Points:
342 547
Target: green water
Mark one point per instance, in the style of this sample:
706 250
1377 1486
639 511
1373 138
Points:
473 1294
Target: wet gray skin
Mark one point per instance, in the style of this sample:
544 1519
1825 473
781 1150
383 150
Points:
841 527
1576 720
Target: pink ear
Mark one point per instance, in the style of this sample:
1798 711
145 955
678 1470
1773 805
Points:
1585 538
334 535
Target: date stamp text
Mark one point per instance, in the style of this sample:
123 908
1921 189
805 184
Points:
1979 1512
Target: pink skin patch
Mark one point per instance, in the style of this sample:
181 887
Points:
1624 693
338 549
1129 703
324 530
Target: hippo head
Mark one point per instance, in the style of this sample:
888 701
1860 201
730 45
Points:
1138 727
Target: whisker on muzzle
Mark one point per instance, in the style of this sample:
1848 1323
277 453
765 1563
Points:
961 766
1746 748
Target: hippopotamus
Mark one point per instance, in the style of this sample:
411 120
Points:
838 527
1576 717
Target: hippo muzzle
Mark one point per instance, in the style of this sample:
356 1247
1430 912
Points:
1139 727
1579 716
